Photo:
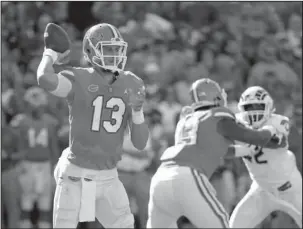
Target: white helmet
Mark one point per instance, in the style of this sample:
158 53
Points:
256 106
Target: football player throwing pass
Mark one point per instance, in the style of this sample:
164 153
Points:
181 187
277 182
104 101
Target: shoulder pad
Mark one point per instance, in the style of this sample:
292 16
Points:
71 72
133 76
68 74
17 120
280 122
223 112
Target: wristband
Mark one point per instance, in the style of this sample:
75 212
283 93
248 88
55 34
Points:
52 54
138 117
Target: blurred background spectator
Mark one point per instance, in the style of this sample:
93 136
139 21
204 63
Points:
171 44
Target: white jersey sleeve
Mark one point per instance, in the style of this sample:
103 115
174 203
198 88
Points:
280 122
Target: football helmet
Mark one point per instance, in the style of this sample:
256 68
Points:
256 106
103 46
206 92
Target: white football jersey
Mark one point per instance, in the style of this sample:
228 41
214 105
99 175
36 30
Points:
271 167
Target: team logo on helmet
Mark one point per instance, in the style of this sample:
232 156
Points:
206 92
103 46
256 105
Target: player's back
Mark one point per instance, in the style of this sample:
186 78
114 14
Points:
36 134
198 144
268 166
98 118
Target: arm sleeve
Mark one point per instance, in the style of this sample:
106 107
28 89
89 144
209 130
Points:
139 134
230 129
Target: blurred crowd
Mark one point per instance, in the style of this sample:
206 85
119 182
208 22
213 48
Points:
171 44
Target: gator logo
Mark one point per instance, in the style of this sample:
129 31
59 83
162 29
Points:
93 88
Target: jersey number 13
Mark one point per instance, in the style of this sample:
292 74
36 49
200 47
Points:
117 107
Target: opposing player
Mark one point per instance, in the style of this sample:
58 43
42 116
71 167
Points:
38 140
277 182
202 137
104 100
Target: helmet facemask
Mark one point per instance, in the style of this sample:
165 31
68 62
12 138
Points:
255 113
110 55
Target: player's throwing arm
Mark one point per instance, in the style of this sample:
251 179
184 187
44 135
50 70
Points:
57 49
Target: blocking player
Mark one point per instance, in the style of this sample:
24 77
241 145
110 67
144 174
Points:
277 182
202 137
38 136
104 101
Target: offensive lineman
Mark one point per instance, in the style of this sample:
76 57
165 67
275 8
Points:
104 100
202 137
277 182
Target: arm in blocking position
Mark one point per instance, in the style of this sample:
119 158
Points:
263 138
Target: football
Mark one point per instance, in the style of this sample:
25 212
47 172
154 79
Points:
56 38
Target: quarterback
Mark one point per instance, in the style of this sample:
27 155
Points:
277 182
104 101
203 135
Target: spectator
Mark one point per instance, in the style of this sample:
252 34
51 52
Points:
294 31
269 65
169 109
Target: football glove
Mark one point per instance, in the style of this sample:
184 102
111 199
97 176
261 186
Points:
136 98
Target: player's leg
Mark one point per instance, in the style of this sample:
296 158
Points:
224 184
66 200
254 207
28 195
290 202
141 190
112 208
295 195
163 208
11 195
45 197
199 202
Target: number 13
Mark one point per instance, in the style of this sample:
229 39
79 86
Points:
113 125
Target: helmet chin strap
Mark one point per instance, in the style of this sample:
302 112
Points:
97 61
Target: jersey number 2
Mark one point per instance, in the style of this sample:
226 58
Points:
113 125
257 157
